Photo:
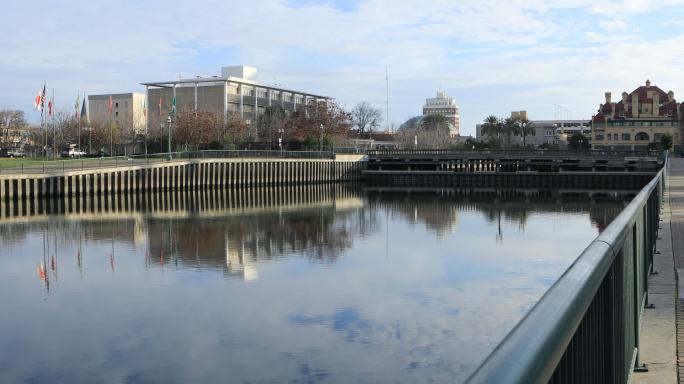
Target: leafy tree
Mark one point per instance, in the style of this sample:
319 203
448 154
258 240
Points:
492 128
509 128
317 121
366 117
578 141
524 128
435 122
666 142
549 146
195 129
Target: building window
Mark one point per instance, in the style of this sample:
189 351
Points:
116 113
598 136
657 136
116 104
641 136
626 136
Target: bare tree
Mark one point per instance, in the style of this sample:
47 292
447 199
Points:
270 123
366 117
12 123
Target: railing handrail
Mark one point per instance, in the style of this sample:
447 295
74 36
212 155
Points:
534 347
90 163
526 152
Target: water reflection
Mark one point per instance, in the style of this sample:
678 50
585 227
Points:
324 283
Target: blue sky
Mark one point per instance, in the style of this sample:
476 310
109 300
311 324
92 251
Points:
492 57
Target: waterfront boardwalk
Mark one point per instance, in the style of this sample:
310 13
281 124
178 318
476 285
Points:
662 328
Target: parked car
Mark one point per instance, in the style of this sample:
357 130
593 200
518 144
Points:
16 152
75 152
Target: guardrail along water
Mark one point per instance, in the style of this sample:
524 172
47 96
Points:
585 329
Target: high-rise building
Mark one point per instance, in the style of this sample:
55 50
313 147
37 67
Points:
444 105
234 92
127 110
640 117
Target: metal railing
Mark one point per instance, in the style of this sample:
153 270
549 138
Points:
65 165
513 152
585 329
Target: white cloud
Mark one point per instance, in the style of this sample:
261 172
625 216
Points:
612 26
461 47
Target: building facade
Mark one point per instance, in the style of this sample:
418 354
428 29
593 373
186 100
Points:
127 111
444 105
234 92
556 131
639 118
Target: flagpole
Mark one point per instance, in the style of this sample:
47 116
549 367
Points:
78 115
42 117
54 128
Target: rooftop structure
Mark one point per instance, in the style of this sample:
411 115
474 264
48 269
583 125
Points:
638 118
234 92
444 105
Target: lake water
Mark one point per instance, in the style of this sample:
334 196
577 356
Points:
332 284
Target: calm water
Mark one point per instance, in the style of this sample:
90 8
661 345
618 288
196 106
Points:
326 284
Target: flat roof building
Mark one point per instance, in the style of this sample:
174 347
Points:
127 112
446 106
233 92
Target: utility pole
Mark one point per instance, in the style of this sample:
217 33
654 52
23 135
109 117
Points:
387 123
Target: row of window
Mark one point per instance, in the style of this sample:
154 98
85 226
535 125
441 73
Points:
641 136
641 124
614 136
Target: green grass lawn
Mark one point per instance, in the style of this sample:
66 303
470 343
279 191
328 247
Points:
11 164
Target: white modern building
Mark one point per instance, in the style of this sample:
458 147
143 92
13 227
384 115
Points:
444 105
235 91
546 131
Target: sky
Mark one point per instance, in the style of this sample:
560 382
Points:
552 58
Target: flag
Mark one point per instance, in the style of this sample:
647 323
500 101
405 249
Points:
84 114
109 106
37 102
42 101
173 106
51 104
78 101
159 106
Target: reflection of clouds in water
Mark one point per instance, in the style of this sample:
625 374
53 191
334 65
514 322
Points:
345 320
426 309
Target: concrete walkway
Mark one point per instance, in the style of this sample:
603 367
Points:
659 341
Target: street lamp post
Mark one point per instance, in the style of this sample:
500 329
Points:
320 141
168 127
280 140
499 126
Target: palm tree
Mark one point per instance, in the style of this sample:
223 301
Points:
492 128
510 128
524 128
435 121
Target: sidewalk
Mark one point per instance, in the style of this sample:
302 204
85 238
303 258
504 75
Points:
661 331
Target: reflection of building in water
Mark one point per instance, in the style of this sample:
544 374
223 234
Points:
237 262
438 208
139 232
320 226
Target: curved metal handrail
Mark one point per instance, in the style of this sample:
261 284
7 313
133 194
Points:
531 351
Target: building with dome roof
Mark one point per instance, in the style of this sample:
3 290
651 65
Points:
639 118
